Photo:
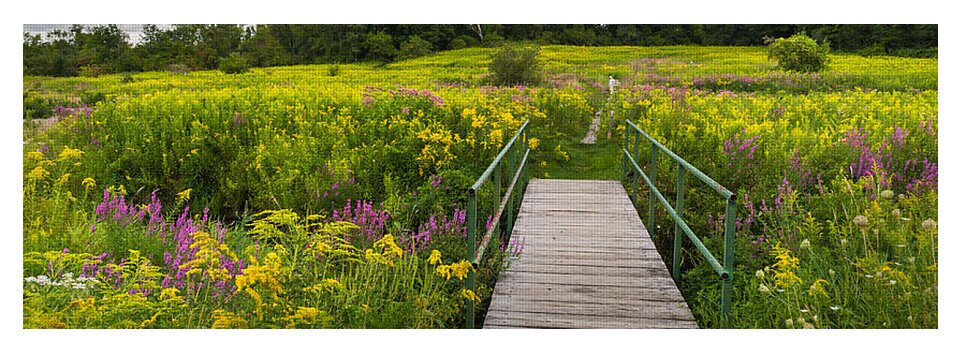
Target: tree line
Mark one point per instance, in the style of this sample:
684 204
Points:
107 49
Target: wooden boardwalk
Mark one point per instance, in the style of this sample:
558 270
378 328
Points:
588 262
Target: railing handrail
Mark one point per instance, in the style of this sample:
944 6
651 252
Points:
496 161
726 270
517 172
723 191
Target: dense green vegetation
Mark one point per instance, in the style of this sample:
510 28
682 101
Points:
107 49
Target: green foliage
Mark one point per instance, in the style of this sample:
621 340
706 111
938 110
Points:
515 64
127 77
35 106
236 63
333 70
91 71
414 47
380 47
799 53
462 42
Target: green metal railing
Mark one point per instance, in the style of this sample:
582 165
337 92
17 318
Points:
726 270
516 152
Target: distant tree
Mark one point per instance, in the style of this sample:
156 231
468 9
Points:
414 47
380 47
264 49
235 63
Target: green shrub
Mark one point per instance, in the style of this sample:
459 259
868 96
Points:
798 53
234 64
90 71
35 106
515 64
380 47
414 47
333 70
127 77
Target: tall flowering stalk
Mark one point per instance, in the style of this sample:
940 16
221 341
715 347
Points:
371 219
435 228
913 175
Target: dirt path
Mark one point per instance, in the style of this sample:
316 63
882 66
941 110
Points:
591 137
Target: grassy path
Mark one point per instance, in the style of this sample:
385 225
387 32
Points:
598 160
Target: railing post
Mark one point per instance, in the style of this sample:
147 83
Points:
677 234
626 143
728 253
495 201
510 201
636 177
523 171
471 251
651 225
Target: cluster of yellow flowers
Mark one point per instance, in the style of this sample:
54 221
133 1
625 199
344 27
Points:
207 258
387 251
270 275
456 269
784 267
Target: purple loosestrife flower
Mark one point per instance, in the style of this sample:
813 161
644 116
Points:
371 220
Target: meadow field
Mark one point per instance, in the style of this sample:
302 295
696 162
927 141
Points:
333 196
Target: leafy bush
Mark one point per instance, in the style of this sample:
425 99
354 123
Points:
35 106
414 47
380 47
91 71
333 70
127 78
515 64
234 64
798 53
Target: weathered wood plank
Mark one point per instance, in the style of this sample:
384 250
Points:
583 306
542 320
659 289
588 262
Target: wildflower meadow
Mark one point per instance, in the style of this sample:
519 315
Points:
312 197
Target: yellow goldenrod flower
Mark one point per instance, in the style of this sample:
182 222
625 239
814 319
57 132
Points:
331 283
184 195
534 143
89 184
817 288
390 248
223 319
377 258
38 173
68 153
470 295
435 258
169 293
35 155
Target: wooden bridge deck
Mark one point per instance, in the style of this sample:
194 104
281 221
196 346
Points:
588 262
